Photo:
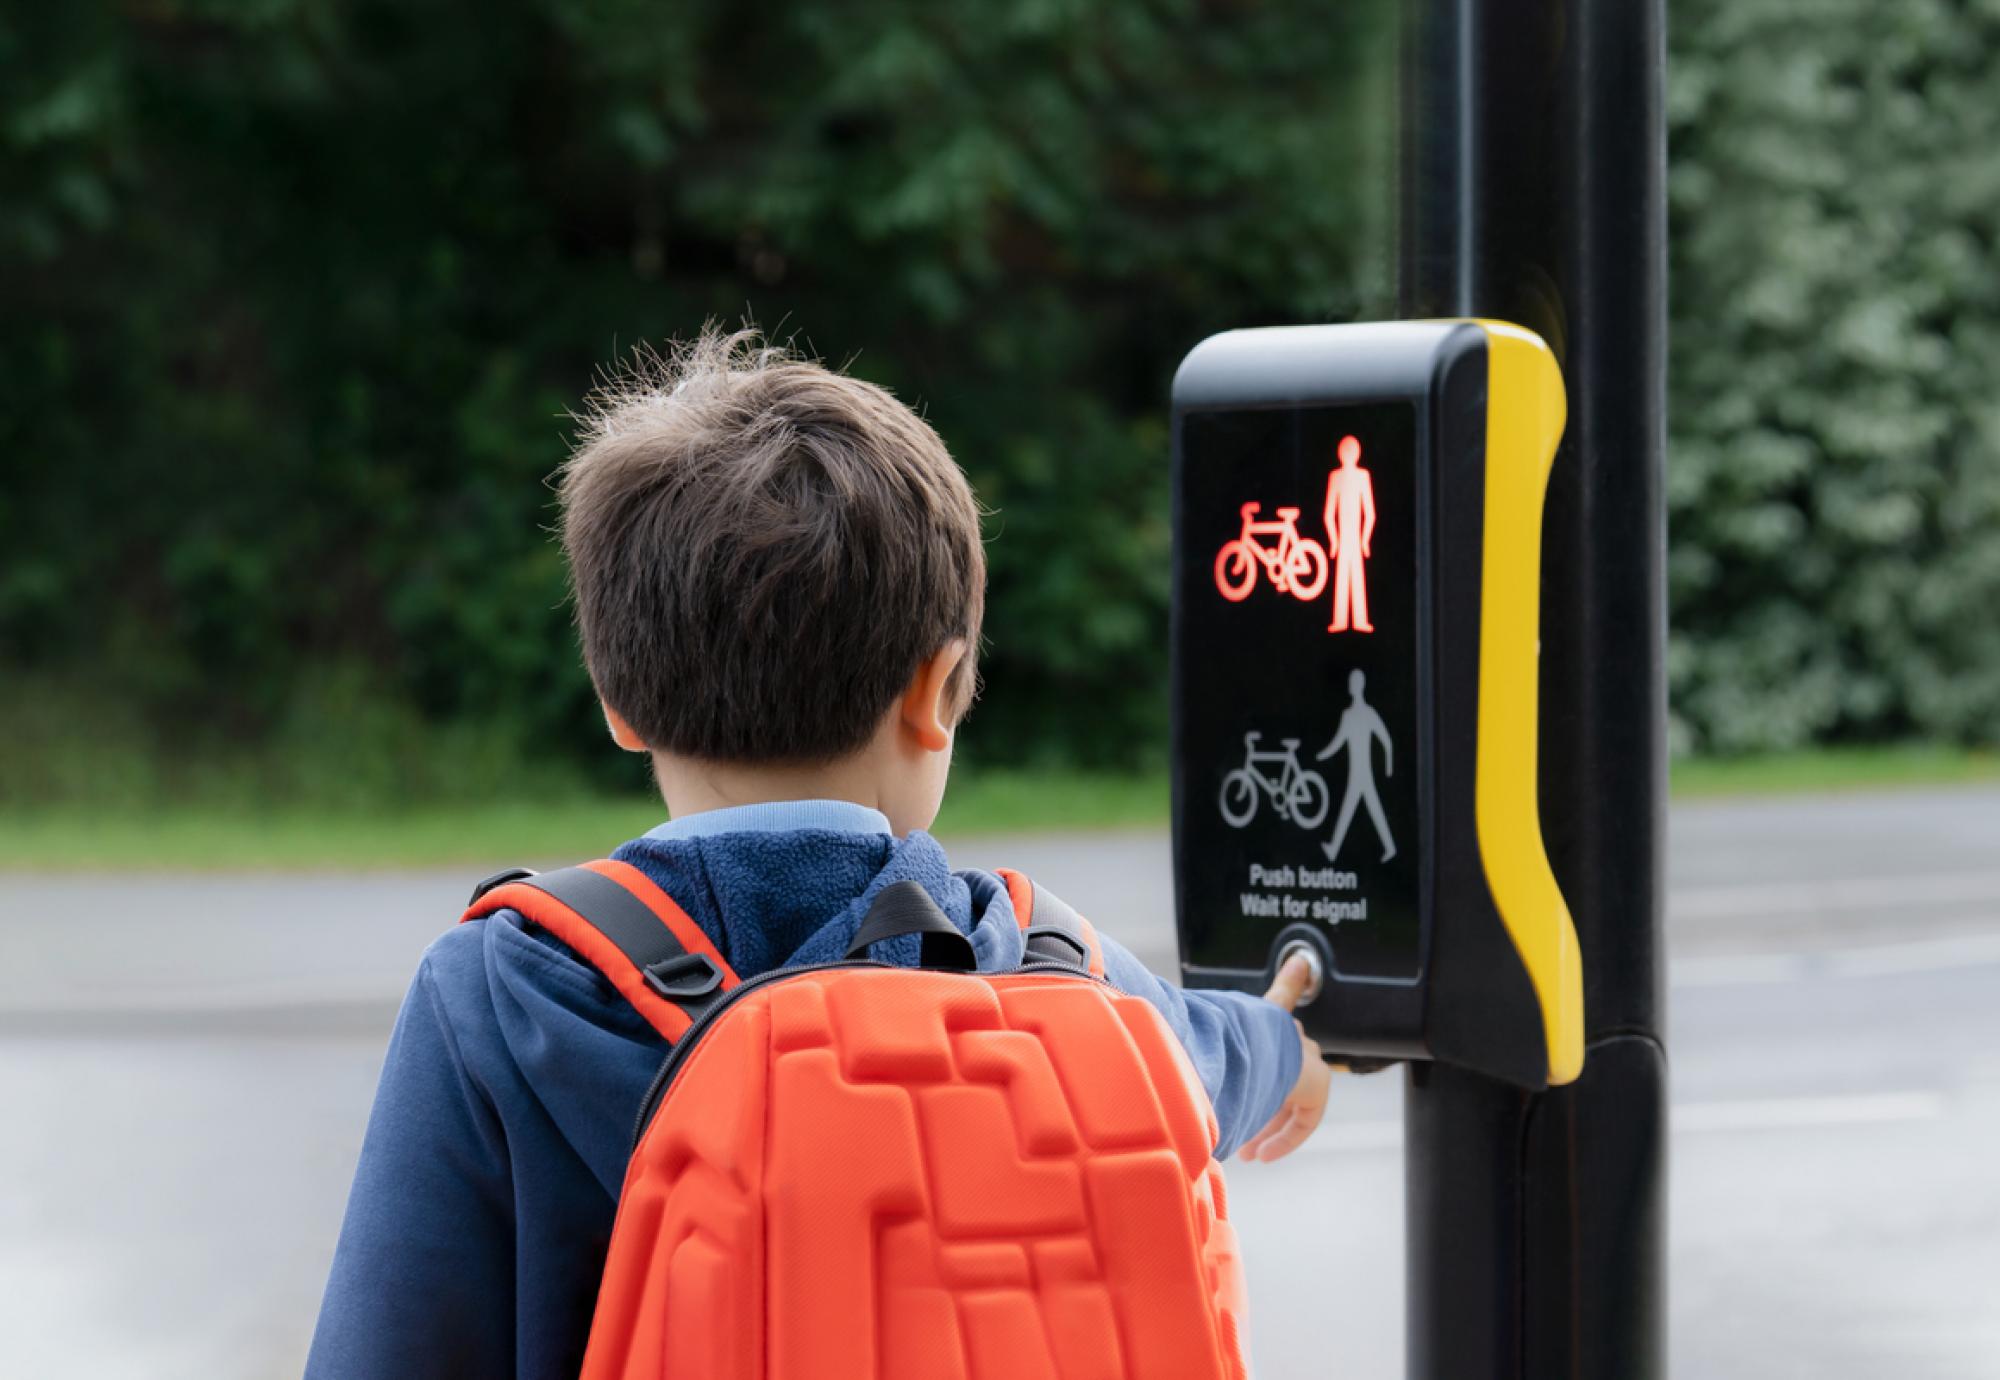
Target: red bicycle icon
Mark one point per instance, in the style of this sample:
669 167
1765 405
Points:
1296 565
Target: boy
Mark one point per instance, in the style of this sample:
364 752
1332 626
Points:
779 584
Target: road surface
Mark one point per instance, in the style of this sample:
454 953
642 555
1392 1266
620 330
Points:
187 1063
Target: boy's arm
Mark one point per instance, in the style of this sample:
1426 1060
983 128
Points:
1248 1051
423 1277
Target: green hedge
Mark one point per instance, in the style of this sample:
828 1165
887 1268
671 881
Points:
299 293
1835 476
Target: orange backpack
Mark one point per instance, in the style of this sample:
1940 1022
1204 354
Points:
861 1172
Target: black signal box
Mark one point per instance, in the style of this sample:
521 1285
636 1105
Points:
1355 595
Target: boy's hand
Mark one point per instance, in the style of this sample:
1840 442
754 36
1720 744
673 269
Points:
1300 1115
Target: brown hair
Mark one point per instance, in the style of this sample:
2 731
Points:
763 551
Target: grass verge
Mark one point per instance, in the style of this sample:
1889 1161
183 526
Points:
74 838
218 838
1833 769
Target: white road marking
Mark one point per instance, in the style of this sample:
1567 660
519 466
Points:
1738 970
1831 893
275 996
1355 1136
1864 961
1770 1114
1697 1118
1916 956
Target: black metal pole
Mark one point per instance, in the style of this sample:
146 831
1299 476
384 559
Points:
1533 172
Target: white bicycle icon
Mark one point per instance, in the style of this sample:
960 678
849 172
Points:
1297 793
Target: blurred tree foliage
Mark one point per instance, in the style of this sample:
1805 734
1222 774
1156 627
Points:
1835 481
297 294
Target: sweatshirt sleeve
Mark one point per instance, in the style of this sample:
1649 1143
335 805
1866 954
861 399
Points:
423 1277
1246 1049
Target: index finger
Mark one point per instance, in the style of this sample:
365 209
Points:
1291 982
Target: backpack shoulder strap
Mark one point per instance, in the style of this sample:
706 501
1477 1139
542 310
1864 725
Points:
624 926
1051 929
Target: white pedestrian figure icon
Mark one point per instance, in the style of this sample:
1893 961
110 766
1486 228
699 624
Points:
1360 726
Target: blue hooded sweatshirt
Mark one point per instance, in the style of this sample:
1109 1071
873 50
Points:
482 1207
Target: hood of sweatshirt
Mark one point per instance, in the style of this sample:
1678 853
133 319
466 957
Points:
791 898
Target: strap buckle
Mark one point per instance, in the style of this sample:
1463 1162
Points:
684 977
500 878
1050 935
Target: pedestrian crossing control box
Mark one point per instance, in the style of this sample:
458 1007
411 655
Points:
1356 600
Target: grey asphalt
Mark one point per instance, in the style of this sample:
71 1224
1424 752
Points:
186 1065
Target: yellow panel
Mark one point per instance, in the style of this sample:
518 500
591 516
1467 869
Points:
1525 413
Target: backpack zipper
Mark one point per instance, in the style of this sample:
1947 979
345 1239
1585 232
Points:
678 1055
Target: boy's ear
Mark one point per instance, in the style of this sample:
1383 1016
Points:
621 732
926 709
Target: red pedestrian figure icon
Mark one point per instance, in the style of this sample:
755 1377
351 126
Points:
1350 523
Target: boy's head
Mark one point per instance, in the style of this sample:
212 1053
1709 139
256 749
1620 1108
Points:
777 568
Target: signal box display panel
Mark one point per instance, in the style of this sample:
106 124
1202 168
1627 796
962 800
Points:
1297 743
